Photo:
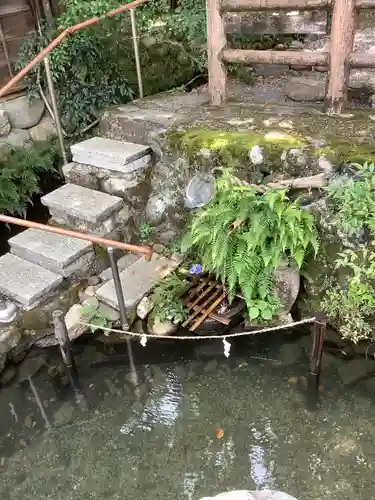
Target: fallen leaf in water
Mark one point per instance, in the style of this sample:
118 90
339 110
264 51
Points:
293 380
321 388
220 433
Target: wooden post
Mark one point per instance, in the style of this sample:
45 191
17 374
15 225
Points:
61 334
216 42
320 325
342 38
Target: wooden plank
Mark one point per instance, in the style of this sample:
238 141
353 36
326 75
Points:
18 25
214 316
204 293
208 311
216 42
342 39
268 23
13 7
204 305
246 5
362 60
300 58
13 47
365 4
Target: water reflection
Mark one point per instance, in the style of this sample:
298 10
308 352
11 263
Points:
102 437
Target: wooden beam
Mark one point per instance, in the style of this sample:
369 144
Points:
216 42
342 39
246 5
299 58
303 5
356 60
365 4
275 23
362 60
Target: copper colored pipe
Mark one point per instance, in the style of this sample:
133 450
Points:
145 250
60 38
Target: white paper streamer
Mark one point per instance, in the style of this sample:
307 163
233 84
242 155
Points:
143 340
226 348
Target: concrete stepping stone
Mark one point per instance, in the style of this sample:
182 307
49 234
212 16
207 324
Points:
110 154
82 203
59 254
136 280
25 282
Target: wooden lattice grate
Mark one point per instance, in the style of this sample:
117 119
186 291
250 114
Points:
202 300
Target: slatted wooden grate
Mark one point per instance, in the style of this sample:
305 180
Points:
202 300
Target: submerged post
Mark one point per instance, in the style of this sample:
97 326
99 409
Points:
61 334
216 42
342 39
319 329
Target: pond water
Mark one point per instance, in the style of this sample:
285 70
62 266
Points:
162 437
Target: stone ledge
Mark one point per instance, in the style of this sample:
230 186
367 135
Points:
111 154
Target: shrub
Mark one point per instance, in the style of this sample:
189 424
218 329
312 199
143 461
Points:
22 172
242 236
350 303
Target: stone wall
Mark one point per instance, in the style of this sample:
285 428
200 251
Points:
22 121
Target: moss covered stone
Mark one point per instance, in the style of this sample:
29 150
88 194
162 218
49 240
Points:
225 137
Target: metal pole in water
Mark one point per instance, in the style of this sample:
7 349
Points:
118 288
122 309
61 334
39 403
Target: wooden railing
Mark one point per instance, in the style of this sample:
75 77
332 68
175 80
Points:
339 60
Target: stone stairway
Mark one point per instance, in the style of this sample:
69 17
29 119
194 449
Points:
106 186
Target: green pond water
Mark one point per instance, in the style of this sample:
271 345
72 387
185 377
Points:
112 439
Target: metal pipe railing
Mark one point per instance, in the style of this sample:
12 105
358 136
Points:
99 240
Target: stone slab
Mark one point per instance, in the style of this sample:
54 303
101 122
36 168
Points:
51 251
24 281
82 203
111 154
123 262
136 280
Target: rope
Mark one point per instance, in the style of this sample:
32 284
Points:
205 337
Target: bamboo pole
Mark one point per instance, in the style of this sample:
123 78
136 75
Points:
216 42
342 39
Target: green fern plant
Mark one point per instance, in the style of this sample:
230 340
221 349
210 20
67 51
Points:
22 174
242 236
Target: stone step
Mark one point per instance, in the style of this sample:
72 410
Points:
83 209
59 254
136 280
109 154
25 282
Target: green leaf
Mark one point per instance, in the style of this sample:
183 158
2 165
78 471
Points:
253 313
266 314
